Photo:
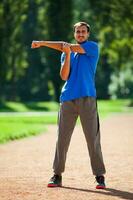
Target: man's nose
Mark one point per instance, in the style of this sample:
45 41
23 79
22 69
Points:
80 34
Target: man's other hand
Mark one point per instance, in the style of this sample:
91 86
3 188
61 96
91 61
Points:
66 47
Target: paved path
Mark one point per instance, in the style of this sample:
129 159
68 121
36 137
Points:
25 165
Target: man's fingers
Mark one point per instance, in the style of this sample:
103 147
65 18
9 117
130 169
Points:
32 45
65 44
66 47
35 44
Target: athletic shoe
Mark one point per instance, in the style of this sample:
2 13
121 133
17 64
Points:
101 182
55 181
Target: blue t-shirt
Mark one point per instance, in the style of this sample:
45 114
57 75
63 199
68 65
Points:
81 81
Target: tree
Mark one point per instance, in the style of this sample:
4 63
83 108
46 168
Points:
11 55
113 28
34 85
34 74
58 24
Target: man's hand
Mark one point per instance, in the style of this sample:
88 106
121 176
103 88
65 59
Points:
66 47
35 44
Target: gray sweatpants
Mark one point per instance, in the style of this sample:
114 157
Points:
86 109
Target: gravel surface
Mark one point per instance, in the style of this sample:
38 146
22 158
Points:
26 165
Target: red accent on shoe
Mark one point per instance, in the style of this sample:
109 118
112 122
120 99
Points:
100 187
53 185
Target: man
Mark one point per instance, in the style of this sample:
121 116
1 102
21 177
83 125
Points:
78 98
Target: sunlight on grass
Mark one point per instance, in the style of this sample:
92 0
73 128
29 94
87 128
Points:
19 130
18 124
27 107
106 107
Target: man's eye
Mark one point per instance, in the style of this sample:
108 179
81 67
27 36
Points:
78 32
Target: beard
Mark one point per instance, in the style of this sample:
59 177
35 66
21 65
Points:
81 41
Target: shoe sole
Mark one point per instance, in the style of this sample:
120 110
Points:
54 185
100 187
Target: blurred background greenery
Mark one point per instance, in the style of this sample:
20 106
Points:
33 74
29 78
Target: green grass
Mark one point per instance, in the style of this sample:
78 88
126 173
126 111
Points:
20 124
107 107
12 131
28 107
15 127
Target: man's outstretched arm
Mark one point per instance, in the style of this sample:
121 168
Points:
58 45
51 44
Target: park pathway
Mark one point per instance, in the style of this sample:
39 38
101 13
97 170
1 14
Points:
25 165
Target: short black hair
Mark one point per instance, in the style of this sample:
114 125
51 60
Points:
82 24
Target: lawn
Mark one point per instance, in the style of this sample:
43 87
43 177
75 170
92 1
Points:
19 120
15 126
28 107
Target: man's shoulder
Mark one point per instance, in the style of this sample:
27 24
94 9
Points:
89 44
92 43
91 48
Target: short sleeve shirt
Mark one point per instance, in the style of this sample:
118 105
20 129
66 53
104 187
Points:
81 80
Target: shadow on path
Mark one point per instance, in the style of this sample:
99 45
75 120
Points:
107 191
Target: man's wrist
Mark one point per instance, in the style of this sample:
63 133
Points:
42 43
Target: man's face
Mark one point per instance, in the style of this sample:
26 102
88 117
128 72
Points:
81 34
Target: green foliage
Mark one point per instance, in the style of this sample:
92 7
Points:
10 39
58 17
34 85
33 75
115 30
122 84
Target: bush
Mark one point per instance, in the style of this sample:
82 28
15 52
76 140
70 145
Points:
121 85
